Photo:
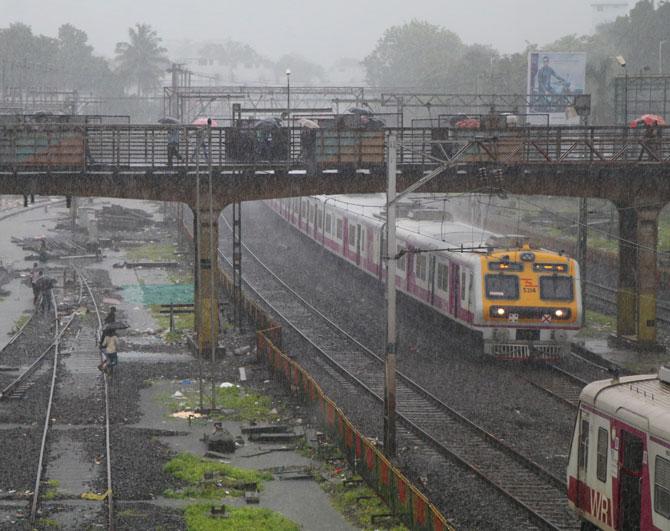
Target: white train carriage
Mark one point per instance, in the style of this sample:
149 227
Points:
524 302
619 468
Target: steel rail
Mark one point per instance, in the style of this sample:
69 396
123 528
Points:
547 479
610 298
47 419
108 446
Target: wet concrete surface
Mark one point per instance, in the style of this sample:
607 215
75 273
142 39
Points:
303 501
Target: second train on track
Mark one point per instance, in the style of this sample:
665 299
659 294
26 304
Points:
524 302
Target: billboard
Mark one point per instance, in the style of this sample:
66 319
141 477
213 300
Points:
553 77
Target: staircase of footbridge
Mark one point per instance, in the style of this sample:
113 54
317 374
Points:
210 167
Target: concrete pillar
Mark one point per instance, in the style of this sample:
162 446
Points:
627 291
647 240
206 297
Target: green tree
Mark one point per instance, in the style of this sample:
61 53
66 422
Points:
232 54
416 54
141 62
303 71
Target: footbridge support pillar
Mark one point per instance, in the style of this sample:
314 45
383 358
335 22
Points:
627 288
647 257
638 271
206 297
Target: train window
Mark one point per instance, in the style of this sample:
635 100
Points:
328 223
319 219
311 212
303 209
502 287
662 487
443 277
421 267
352 235
400 262
339 229
362 238
556 288
601 457
583 450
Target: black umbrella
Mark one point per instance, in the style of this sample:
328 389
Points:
358 110
116 325
268 123
43 283
168 120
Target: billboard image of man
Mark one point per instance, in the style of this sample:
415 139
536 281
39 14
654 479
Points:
544 75
554 78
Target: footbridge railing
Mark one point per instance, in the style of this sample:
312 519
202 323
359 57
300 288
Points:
73 147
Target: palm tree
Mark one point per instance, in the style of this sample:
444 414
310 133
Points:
142 60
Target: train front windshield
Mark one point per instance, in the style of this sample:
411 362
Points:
502 287
556 288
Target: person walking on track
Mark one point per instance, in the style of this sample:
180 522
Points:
110 344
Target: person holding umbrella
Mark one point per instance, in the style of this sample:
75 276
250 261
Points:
201 136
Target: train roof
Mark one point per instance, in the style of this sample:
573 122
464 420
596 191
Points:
428 232
643 401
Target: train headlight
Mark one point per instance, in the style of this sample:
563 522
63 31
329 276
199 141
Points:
500 312
559 313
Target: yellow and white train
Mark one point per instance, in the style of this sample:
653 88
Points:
524 302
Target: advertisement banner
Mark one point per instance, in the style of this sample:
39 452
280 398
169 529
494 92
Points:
553 78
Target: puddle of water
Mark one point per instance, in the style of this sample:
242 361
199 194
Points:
153 357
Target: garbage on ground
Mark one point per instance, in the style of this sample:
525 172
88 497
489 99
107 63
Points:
186 414
226 384
221 440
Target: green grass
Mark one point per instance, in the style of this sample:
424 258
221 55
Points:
598 324
358 504
52 489
180 276
242 404
46 523
182 322
23 318
198 518
152 252
191 469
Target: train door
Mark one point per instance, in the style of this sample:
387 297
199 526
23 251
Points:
431 278
410 275
454 289
631 457
370 249
316 221
345 238
359 235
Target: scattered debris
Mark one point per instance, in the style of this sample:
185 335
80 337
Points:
221 440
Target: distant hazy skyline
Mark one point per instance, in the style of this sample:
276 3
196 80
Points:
322 31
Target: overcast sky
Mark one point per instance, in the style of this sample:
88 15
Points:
320 30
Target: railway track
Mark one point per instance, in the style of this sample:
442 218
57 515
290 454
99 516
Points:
19 383
604 298
538 492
